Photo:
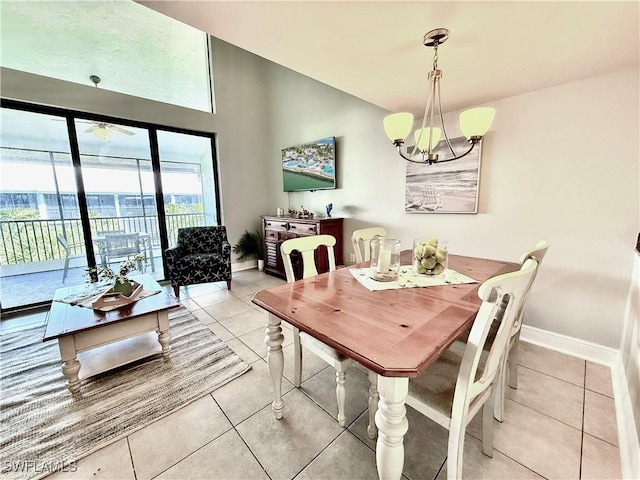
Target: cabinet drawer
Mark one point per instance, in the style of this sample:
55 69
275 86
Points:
271 235
303 228
275 225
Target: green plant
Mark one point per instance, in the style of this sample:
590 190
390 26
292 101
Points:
249 245
104 272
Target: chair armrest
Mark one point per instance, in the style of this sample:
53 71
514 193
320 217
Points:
226 249
173 253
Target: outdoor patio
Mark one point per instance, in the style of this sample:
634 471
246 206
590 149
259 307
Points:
37 287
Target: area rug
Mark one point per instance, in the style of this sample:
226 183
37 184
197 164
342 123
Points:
45 428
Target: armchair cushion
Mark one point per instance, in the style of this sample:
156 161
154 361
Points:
201 255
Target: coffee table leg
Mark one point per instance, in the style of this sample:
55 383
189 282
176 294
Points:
275 359
70 363
164 337
391 420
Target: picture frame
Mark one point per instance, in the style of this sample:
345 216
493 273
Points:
446 187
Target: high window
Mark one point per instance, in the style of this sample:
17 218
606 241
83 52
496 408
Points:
131 48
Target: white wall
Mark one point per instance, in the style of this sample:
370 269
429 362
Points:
559 164
626 379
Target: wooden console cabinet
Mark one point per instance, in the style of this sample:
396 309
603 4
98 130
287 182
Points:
276 230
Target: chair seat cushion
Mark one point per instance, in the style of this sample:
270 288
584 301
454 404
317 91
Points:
200 268
319 347
201 260
437 384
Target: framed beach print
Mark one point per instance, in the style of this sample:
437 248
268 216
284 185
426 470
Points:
449 187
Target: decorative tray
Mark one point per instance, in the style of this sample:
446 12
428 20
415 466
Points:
110 299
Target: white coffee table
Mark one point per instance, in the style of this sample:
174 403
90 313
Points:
78 329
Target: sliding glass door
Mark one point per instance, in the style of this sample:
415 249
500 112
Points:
70 183
188 181
120 191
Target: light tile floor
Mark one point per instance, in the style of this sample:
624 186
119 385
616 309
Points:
559 424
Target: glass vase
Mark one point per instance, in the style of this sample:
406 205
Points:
430 256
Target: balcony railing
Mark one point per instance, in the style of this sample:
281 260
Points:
26 241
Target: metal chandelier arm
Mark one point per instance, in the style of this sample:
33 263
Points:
424 155
473 142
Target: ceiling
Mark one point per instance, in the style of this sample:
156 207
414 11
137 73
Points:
373 49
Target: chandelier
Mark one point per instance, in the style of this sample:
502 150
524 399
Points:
474 123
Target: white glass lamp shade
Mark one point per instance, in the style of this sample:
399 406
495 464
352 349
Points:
102 132
397 126
476 121
422 138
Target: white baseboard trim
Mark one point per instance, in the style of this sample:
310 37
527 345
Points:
248 265
628 441
571 346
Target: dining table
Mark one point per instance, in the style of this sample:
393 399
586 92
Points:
395 333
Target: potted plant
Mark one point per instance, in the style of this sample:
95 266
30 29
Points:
120 281
249 245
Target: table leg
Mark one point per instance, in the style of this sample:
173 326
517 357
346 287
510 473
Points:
164 337
70 364
373 404
391 420
275 359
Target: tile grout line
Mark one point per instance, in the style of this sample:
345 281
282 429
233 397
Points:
584 402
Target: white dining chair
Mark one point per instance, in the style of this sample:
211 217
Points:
307 246
509 370
454 388
361 242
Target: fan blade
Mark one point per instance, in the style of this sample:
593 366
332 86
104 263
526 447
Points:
121 130
90 129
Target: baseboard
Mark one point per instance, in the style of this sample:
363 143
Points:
628 441
627 433
571 346
248 265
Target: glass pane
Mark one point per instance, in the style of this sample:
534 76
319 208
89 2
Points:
186 164
41 236
124 43
120 190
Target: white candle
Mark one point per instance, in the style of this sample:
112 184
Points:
384 261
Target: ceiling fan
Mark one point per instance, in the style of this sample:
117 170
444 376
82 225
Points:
105 130
102 129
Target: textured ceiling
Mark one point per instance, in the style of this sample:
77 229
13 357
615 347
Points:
373 49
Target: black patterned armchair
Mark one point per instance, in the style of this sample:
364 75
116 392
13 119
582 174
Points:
201 255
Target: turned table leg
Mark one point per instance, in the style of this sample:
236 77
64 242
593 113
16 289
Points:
275 359
164 337
70 364
373 404
391 420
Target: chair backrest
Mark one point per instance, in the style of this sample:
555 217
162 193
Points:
537 253
502 297
207 239
102 233
122 244
65 244
307 247
361 242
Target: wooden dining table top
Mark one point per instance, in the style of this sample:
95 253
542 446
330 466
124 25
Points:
395 333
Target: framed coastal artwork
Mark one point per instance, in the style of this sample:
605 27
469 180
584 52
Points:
449 187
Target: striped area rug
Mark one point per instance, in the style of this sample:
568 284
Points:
43 427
